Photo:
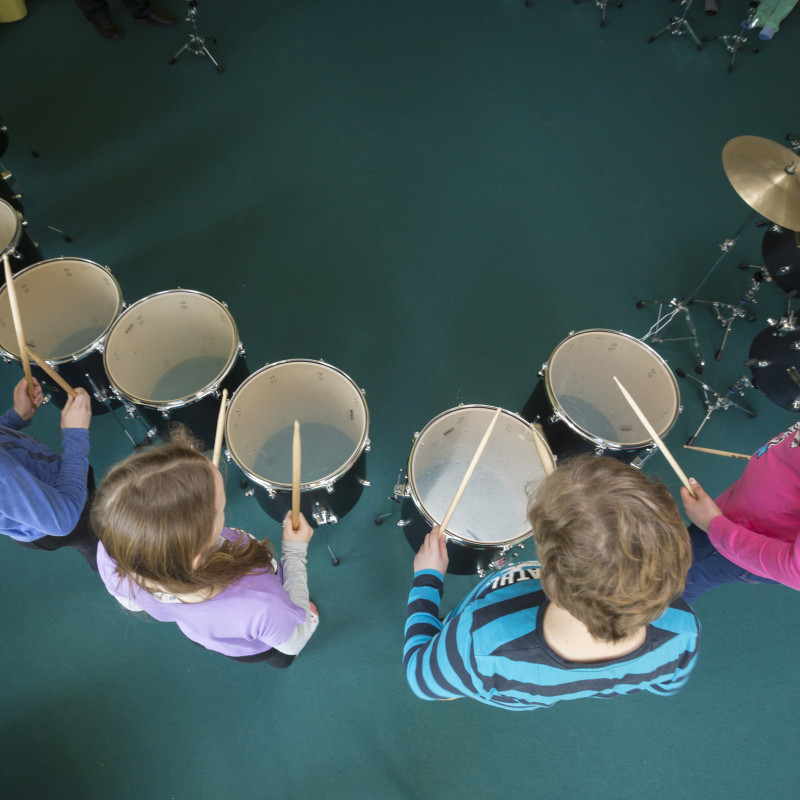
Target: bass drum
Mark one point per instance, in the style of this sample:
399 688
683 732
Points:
68 305
582 410
780 249
775 364
170 355
334 431
14 240
491 520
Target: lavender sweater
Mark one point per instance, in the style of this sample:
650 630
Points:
250 616
41 493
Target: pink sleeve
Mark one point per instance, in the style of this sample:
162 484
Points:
761 555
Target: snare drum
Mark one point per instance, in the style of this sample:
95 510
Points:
492 515
775 364
170 355
14 239
581 408
68 306
334 431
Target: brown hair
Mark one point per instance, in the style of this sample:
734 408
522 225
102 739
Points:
612 544
154 513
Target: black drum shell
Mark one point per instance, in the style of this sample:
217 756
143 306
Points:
774 380
780 249
345 493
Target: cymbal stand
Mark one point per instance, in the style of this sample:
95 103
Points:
726 314
794 142
676 307
196 43
601 4
678 26
713 401
735 42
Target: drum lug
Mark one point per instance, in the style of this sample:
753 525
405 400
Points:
164 412
322 516
240 349
401 523
363 481
272 494
599 451
329 488
481 572
367 446
249 491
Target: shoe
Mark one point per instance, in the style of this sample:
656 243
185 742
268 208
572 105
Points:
107 28
766 33
158 18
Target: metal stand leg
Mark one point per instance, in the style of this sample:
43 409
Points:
196 43
719 402
678 26
601 4
735 42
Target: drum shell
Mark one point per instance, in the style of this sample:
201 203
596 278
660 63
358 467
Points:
16 243
780 249
316 505
783 361
199 416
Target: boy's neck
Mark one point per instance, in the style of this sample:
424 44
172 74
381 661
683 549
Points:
570 638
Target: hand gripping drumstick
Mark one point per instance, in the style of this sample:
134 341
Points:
296 476
220 429
468 474
656 438
23 350
717 452
45 367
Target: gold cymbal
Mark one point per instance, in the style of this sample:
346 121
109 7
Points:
766 175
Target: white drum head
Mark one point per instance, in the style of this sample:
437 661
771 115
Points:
494 506
67 306
580 384
10 227
170 348
333 416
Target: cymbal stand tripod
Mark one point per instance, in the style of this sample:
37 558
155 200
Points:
678 26
196 43
719 402
734 42
682 306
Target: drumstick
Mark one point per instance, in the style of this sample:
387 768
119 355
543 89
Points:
656 438
468 474
296 476
717 452
220 429
542 449
23 350
45 367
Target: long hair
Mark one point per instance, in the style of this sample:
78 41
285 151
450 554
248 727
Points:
613 547
154 512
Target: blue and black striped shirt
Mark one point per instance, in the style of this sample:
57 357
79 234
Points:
491 648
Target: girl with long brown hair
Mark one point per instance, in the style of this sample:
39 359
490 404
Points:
164 549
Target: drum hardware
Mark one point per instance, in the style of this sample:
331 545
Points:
601 4
11 192
6 134
775 363
794 142
102 396
196 43
734 42
396 496
718 403
726 314
678 26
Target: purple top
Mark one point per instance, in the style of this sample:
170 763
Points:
250 616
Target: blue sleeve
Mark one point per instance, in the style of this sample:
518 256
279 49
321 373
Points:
33 506
13 420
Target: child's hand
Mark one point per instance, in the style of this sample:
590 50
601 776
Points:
433 553
22 403
302 534
701 510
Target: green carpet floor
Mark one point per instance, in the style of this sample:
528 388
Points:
429 195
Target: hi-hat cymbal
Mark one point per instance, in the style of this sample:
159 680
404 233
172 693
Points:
766 176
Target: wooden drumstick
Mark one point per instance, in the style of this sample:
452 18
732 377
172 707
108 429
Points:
220 429
542 449
468 474
296 476
45 367
656 438
717 452
16 316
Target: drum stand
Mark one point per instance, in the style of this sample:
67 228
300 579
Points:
736 41
395 497
678 26
196 43
682 307
601 4
130 412
719 402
